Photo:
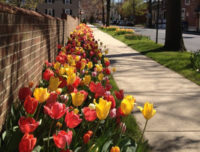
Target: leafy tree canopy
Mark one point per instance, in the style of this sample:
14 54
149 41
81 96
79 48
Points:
134 7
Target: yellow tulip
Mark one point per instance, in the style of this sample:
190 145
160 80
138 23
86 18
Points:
115 149
100 76
71 79
100 55
70 70
87 79
57 66
77 58
102 109
54 83
76 111
99 67
127 104
106 60
62 71
114 69
90 65
41 94
106 51
83 64
77 98
148 111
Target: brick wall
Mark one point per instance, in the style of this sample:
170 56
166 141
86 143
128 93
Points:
27 40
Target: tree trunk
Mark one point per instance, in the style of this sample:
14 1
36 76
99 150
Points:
108 13
173 36
103 13
150 14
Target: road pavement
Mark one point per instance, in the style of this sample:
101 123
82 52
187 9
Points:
192 41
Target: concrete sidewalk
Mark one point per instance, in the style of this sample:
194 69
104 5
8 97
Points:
176 126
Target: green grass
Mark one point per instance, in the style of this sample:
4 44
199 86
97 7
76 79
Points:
175 60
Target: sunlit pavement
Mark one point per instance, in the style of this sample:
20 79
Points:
176 126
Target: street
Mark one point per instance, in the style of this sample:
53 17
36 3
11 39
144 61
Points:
192 41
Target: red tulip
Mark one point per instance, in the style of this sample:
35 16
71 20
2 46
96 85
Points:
30 104
47 74
90 114
72 120
98 89
59 46
119 112
63 82
108 87
107 63
86 138
119 94
56 110
27 125
60 59
62 138
27 143
107 71
76 82
24 92
111 99
52 98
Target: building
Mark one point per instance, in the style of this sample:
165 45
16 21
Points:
190 14
57 8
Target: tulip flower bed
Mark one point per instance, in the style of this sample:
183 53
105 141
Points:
74 107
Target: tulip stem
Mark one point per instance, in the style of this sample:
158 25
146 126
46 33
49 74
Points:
50 132
38 112
142 134
96 128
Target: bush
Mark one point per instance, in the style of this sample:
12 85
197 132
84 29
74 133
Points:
124 31
195 60
134 36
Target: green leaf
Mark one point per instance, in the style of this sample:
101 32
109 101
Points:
3 135
37 149
107 146
77 149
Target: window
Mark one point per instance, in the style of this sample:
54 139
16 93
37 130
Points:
49 12
187 2
68 11
183 14
67 1
49 1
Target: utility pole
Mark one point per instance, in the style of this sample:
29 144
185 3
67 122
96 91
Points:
157 20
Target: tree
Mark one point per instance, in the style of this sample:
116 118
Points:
150 14
173 36
108 13
133 8
28 4
103 12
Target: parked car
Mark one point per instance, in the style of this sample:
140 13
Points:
122 22
129 23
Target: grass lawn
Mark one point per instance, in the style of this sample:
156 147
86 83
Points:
177 61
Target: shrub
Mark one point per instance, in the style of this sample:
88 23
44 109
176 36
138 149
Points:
195 60
124 31
135 36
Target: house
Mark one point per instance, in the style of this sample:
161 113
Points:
190 14
57 8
